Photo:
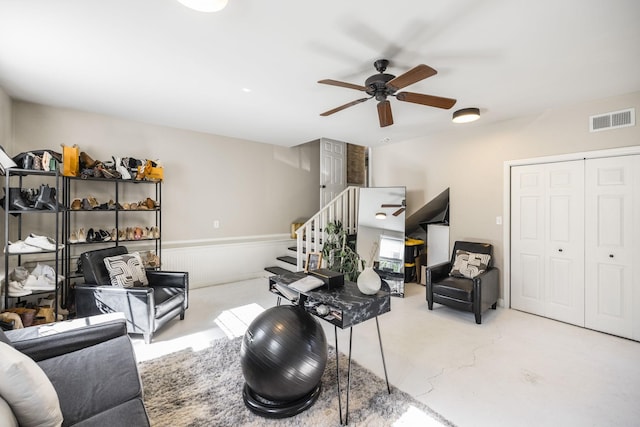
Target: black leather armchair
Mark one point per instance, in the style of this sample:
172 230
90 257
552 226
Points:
475 295
146 308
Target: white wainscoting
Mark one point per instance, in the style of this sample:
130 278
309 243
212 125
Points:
216 261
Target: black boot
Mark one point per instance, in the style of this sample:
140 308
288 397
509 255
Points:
52 202
44 197
17 200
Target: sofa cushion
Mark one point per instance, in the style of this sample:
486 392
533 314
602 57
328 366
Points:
126 270
469 264
130 413
457 288
7 419
27 390
94 379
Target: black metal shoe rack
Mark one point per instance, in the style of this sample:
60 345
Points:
89 185
13 230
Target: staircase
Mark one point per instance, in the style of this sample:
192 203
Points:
344 208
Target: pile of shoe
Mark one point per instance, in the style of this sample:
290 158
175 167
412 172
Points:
33 243
91 203
40 160
23 282
100 235
141 233
26 315
151 260
31 199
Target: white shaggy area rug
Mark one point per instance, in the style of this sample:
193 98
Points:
204 388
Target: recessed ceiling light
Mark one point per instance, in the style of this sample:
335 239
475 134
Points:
246 89
205 5
466 115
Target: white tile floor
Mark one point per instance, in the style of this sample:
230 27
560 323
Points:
515 369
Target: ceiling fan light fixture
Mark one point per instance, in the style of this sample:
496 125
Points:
466 115
381 215
205 5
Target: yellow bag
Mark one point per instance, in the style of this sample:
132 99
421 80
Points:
70 160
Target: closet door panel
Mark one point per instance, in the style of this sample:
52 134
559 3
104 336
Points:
564 246
527 239
612 240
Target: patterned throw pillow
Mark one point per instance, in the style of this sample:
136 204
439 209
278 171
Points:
469 264
127 270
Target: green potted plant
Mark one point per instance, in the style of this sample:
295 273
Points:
338 252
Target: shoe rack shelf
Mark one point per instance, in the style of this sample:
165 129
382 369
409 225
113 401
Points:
15 210
115 213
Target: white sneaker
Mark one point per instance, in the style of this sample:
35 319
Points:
43 277
42 242
39 283
16 289
20 247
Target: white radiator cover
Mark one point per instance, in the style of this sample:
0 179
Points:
219 261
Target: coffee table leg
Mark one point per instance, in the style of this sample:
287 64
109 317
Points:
346 414
335 333
384 365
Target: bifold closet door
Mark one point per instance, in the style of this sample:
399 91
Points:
612 298
547 240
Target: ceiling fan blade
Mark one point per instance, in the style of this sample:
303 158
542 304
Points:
387 205
384 113
417 73
342 84
342 107
398 212
430 100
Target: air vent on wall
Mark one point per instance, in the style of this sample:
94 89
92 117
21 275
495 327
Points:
613 120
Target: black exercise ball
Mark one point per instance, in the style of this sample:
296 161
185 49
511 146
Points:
283 354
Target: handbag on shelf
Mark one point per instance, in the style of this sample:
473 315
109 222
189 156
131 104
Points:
70 160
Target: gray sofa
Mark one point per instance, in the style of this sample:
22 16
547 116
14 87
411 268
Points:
92 367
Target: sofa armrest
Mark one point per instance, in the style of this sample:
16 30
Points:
172 279
487 284
437 272
54 339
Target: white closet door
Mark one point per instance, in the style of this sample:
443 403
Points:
612 245
547 240
564 278
527 239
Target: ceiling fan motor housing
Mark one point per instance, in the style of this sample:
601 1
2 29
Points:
377 86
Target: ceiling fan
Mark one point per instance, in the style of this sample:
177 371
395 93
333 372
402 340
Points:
401 207
382 85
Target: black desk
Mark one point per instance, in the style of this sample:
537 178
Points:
343 307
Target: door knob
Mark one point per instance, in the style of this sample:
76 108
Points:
610 255
323 186
560 250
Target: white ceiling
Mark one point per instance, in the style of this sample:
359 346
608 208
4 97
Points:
156 61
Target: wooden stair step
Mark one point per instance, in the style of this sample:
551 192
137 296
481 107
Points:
288 259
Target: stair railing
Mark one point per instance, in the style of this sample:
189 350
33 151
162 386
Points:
343 208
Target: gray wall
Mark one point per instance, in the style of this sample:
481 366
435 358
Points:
252 189
470 160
